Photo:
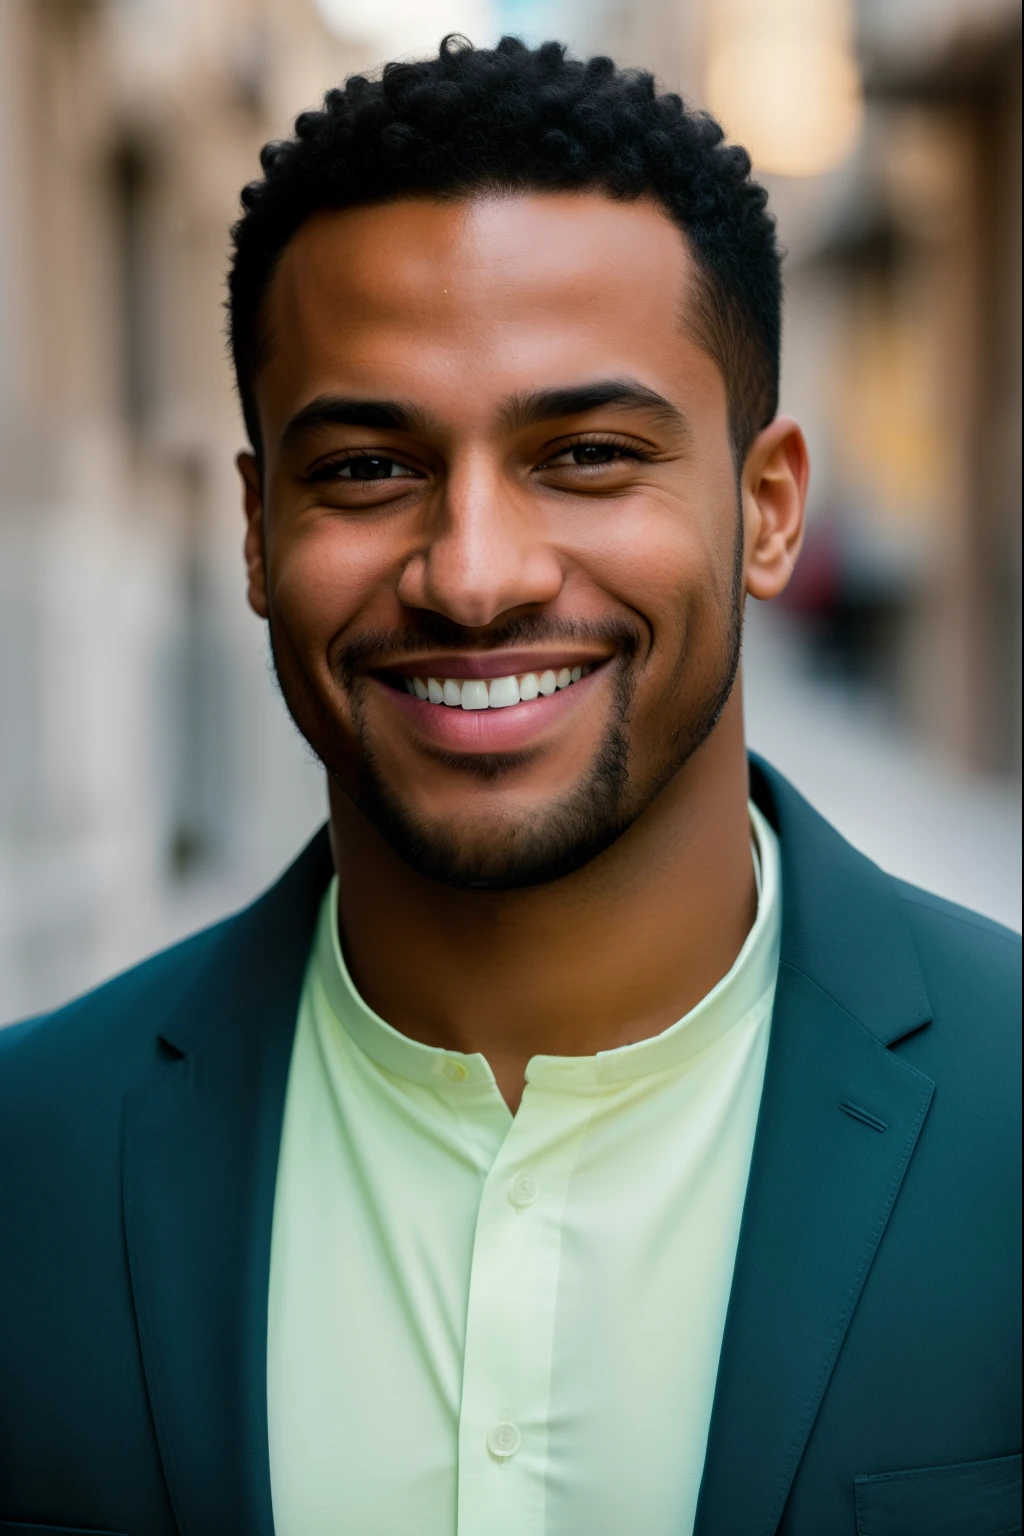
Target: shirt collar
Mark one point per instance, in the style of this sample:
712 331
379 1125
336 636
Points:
747 986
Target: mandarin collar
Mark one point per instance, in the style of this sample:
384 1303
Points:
741 991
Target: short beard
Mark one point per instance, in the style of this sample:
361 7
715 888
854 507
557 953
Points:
595 812
572 832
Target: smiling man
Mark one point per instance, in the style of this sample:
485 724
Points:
580 1137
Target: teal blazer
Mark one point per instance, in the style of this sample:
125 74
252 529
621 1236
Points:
869 1379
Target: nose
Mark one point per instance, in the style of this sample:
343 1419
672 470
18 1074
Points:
485 550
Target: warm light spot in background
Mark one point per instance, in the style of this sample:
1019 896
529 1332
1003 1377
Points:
781 75
783 80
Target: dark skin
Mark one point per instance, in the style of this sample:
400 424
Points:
615 516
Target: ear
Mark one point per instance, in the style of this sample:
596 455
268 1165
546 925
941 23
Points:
255 552
774 490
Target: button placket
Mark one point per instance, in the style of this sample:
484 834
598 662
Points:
510 1322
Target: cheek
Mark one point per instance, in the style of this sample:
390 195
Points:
324 571
667 557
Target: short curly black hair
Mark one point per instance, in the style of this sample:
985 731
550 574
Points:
517 119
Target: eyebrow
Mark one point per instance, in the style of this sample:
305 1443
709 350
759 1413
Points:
524 410
576 400
344 411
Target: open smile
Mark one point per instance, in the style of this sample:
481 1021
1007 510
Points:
466 704
498 693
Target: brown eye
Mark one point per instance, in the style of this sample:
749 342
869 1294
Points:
592 456
594 453
370 467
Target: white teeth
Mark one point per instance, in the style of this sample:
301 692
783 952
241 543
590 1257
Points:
495 693
502 692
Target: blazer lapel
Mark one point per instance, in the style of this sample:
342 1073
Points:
200 1161
840 1115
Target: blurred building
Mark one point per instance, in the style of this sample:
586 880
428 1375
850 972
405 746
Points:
149 777
904 359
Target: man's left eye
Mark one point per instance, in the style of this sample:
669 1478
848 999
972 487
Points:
588 455
372 467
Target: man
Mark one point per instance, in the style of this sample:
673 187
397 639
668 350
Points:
582 1138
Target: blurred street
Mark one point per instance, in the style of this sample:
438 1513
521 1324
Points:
954 833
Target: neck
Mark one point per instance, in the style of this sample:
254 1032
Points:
611 954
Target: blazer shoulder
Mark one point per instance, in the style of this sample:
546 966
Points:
971 965
109 1030
957 938
971 968
102 1042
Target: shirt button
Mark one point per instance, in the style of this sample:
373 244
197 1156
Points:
455 1072
503 1441
523 1190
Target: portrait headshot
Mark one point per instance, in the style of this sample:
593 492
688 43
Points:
608 1123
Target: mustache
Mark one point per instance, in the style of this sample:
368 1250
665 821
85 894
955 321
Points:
435 632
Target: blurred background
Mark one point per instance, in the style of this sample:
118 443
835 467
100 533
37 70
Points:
149 777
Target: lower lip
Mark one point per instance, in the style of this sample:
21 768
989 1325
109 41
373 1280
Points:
489 730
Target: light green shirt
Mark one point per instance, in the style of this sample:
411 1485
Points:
483 1325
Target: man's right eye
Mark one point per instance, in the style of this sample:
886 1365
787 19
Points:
370 467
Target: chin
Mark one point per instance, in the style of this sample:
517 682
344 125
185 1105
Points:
502 852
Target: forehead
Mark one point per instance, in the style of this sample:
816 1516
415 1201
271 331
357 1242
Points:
490 294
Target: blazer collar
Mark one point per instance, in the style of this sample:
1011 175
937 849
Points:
200 1149
843 923
840 1116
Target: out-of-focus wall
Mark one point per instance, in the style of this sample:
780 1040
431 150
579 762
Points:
149 778
149 775
904 359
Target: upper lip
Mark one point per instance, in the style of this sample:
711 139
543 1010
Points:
492 663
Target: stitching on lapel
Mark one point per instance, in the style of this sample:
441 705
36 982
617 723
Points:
863 1115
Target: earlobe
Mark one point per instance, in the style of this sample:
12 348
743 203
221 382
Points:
254 549
774 482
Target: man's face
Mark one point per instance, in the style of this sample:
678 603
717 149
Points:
496 469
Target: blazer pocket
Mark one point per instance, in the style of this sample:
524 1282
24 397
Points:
975 1498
